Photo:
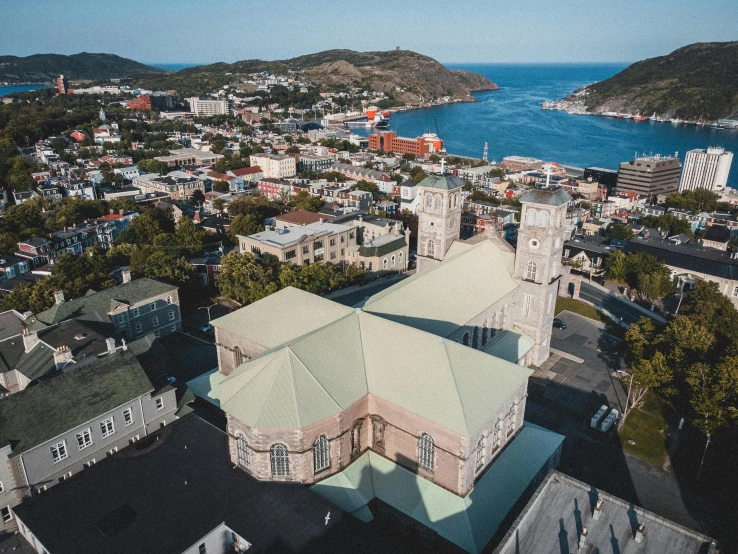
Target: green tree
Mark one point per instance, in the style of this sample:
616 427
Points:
619 231
221 186
245 225
246 279
617 267
306 201
189 237
368 187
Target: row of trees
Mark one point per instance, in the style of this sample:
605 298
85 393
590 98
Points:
643 273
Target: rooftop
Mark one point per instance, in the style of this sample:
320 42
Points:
562 506
442 182
301 217
552 196
178 486
294 235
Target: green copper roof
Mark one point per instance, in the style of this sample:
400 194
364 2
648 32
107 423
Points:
552 196
470 521
323 372
442 182
510 345
481 275
48 409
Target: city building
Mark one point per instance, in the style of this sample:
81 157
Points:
516 164
274 166
64 425
203 107
606 177
176 492
13 266
421 146
131 310
298 218
706 169
649 176
62 85
177 184
151 102
567 515
313 162
189 157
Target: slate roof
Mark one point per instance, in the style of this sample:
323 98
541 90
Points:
382 245
688 257
48 409
442 182
177 487
423 300
11 324
95 307
325 371
552 196
470 521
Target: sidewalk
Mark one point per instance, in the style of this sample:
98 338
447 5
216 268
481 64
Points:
617 294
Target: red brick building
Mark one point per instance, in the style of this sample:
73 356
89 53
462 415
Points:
419 146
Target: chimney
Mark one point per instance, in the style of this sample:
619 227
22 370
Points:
583 539
30 339
126 273
62 356
58 297
639 533
597 510
110 342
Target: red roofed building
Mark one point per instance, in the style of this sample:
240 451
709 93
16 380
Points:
298 218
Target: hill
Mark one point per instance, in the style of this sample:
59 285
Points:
42 68
699 80
420 77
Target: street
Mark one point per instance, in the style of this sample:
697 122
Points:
609 302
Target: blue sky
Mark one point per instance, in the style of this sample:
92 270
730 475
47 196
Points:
203 31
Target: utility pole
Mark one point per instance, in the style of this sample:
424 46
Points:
699 471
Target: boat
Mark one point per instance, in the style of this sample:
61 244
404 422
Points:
639 117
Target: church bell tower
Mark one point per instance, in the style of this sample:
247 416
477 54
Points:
538 264
439 217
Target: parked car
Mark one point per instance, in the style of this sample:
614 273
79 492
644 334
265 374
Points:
559 324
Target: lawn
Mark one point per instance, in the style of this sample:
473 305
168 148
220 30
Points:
588 311
646 427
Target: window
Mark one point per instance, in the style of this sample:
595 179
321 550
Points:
401 256
84 439
152 306
430 247
202 549
333 255
243 451
171 315
306 250
321 454
475 338
59 451
127 416
121 319
169 299
238 357
384 263
428 200
437 202
2 489
527 300
465 341
735 291
426 451
484 334
7 514
290 254
531 218
530 274
480 454
173 328
157 334
139 328
155 321
135 312
392 261
279 460
159 403
543 219
107 427
333 242
351 235
317 244
566 253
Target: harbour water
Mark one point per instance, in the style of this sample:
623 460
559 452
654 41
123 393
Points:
12 89
512 122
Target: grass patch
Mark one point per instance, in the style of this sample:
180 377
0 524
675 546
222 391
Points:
581 308
646 426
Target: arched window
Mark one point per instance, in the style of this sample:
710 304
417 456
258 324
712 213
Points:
480 454
384 263
465 340
543 219
377 432
430 247
392 261
530 273
238 357
426 451
530 218
428 200
485 330
321 454
279 459
169 299
243 451
401 256
437 202
475 338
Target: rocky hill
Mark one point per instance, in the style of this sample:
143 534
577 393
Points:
42 68
699 80
418 77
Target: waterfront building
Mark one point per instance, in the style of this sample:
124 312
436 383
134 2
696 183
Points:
706 169
649 176
606 177
203 107
515 164
419 146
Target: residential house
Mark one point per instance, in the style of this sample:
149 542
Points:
13 266
37 250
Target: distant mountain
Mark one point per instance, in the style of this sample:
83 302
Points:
41 68
699 80
418 77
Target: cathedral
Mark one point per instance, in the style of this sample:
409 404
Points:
414 400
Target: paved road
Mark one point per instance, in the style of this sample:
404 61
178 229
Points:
359 295
611 303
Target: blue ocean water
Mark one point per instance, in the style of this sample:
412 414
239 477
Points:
174 66
512 122
4 91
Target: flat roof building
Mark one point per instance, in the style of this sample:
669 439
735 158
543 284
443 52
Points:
204 107
650 175
706 169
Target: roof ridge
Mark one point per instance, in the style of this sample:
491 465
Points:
359 314
456 384
263 368
271 386
314 378
294 384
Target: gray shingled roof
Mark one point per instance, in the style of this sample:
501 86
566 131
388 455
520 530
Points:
442 182
44 411
553 196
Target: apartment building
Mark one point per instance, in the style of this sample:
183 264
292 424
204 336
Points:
274 166
649 176
203 107
64 425
515 164
706 169
419 146
190 156
177 184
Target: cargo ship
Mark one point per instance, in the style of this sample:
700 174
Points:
378 119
